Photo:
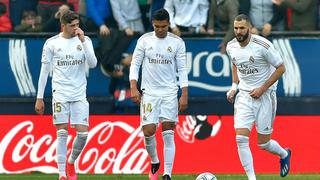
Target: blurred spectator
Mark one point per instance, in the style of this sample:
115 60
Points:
53 23
187 15
244 7
120 88
29 23
5 23
265 16
155 5
48 8
17 7
82 9
304 13
224 12
144 6
100 16
128 16
75 4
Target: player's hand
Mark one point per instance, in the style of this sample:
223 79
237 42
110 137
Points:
230 95
183 103
80 34
104 30
135 95
256 93
39 107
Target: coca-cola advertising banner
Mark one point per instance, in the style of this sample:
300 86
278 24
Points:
115 145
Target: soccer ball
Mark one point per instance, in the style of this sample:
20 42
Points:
206 176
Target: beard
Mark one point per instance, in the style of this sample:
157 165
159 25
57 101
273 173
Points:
243 38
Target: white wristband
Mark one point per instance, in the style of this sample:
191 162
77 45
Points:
234 86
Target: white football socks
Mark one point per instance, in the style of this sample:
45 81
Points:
62 136
151 147
274 147
169 151
77 146
245 156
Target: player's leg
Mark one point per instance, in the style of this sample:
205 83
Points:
169 118
243 122
264 124
62 136
60 120
244 152
169 148
149 119
79 118
151 147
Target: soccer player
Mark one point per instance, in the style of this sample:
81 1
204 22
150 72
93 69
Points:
67 55
162 56
256 68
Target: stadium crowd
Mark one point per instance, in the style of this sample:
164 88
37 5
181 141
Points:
201 16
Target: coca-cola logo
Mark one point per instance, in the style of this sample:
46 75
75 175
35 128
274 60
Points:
112 147
197 127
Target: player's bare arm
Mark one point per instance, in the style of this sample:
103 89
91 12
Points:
256 93
135 94
235 80
39 106
183 101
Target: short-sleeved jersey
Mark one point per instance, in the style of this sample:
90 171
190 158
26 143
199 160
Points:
161 59
255 62
67 59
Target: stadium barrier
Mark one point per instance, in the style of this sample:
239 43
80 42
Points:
209 75
203 144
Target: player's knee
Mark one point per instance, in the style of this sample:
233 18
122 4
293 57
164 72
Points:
264 146
242 141
82 135
62 133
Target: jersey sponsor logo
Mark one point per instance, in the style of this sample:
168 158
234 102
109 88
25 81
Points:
70 63
246 69
159 59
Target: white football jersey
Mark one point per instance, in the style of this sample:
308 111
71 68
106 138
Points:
161 59
255 62
68 58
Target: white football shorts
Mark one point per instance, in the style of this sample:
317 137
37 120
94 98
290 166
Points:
76 111
262 111
155 109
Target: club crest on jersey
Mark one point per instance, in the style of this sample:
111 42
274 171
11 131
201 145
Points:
79 48
251 59
169 49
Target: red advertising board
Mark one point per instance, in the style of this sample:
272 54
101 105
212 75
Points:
115 145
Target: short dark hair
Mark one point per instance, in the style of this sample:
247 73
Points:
68 17
241 17
160 15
